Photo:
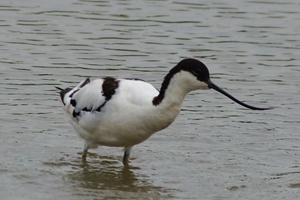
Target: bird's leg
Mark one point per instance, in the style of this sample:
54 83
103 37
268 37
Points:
84 153
126 155
85 150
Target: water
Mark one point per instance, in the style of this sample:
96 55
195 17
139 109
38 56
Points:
214 150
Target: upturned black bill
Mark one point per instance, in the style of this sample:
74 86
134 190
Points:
215 87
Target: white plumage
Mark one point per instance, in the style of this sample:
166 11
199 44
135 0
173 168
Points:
123 112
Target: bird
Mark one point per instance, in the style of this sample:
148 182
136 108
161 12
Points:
125 112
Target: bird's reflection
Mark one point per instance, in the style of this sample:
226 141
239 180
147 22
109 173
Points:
106 173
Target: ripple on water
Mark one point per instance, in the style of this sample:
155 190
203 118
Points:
214 150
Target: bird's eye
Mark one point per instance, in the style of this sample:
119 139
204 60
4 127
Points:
195 72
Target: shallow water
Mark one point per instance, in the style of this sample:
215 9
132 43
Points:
214 150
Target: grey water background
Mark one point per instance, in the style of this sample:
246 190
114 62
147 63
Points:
214 150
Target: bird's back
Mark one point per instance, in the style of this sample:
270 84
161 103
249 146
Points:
112 112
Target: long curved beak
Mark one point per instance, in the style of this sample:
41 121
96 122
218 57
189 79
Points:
215 87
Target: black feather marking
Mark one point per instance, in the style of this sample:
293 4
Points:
73 102
71 95
109 87
99 108
63 92
108 90
58 88
86 110
87 80
75 114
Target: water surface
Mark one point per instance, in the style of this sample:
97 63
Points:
214 150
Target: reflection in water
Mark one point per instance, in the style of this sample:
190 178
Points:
105 176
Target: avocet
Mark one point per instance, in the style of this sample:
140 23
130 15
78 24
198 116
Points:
125 112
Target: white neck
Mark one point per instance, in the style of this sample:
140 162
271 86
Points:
178 87
175 92
169 107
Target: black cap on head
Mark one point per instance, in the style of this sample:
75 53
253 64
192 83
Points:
195 67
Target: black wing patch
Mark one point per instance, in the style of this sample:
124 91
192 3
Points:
109 87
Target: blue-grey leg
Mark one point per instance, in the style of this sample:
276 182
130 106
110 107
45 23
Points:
85 150
126 155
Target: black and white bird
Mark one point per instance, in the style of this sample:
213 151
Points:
125 112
